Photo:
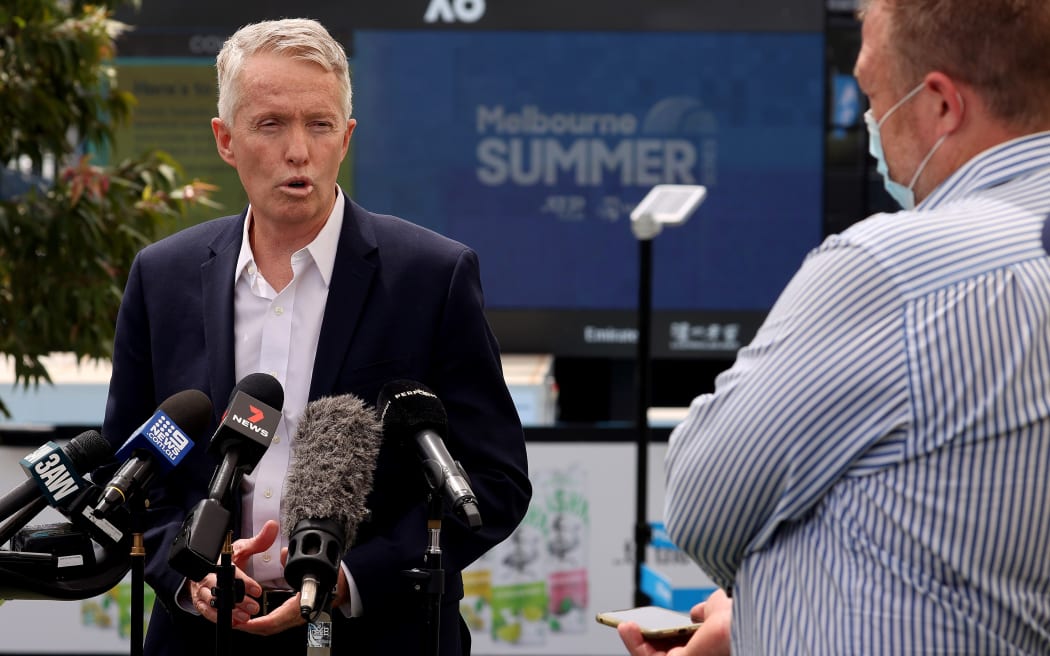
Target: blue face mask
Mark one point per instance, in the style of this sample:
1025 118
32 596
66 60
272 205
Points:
905 196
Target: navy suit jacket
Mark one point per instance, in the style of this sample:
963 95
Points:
404 303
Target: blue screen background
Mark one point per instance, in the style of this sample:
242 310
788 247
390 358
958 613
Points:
744 111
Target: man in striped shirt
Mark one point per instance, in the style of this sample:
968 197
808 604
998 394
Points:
872 476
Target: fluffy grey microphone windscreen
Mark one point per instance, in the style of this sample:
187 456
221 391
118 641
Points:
334 453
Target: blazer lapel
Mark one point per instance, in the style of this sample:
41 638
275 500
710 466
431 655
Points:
351 280
217 295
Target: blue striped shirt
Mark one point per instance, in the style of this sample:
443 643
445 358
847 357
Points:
873 473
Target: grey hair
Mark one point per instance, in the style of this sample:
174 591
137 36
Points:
299 38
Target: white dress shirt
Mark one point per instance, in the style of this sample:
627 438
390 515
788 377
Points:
277 333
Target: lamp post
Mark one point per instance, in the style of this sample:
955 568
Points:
664 205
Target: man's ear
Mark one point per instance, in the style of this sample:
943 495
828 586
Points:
949 98
223 141
350 125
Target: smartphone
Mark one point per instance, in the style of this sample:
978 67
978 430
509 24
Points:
656 622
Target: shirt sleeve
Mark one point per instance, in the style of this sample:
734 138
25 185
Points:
822 381
351 606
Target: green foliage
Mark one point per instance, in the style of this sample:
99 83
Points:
66 246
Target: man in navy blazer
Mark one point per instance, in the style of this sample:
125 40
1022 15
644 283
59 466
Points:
398 302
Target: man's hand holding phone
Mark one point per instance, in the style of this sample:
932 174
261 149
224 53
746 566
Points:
654 622
710 637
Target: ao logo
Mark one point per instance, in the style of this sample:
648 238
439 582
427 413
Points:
450 11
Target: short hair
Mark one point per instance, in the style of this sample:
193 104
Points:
999 47
298 38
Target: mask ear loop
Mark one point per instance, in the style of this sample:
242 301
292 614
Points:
897 105
925 160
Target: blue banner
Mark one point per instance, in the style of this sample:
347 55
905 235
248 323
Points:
533 147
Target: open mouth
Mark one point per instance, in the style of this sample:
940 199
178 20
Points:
298 184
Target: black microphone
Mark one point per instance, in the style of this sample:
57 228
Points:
54 478
410 411
74 568
243 435
246 430
73 549
333 459
159 444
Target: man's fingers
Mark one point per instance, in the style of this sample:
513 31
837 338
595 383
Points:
251 587
258 543
281 619
245 548
632 638
202 597
698 612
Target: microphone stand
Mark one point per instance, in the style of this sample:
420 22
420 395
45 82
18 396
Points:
431 580
138 580
227 592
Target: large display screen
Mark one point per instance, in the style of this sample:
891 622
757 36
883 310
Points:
533 147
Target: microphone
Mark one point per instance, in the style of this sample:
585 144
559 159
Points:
241 440
408 410
71 568
160 443
73 549
52 479
246 430
27 575
333 459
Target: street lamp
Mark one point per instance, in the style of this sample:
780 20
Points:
664 205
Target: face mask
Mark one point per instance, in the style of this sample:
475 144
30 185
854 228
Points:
905 196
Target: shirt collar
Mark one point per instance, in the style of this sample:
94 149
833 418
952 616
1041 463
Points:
995 166
322 249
